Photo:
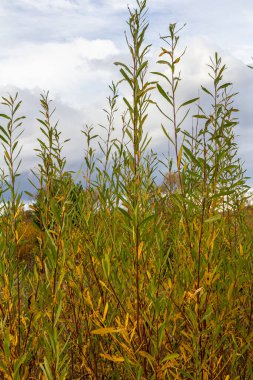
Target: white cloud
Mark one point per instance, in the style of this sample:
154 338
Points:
48 5
155 4
62 68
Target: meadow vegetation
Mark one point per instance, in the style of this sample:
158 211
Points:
118 277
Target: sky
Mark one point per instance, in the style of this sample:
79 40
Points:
68 47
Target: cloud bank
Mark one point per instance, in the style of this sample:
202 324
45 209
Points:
69 46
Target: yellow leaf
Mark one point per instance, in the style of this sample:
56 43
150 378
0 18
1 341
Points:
105 312
26 373
198 291
79 271
133 332
113 358
170 357
105 286
164 52
88 299
105 330
179 157
126 321
99 303
23 320
14 339
140 249
5 293
146 355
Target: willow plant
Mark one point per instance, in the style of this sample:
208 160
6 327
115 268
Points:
12 270
140 88
203 161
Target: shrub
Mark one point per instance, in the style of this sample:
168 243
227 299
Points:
126 279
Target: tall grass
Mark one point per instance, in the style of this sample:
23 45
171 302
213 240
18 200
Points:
122 278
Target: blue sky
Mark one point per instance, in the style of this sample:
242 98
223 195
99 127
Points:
68 47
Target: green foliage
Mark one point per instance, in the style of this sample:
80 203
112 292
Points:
121 278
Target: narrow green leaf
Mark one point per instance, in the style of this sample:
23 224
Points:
124 74
163 93
188 102
213 218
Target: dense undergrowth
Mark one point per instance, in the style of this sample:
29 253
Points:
122 278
